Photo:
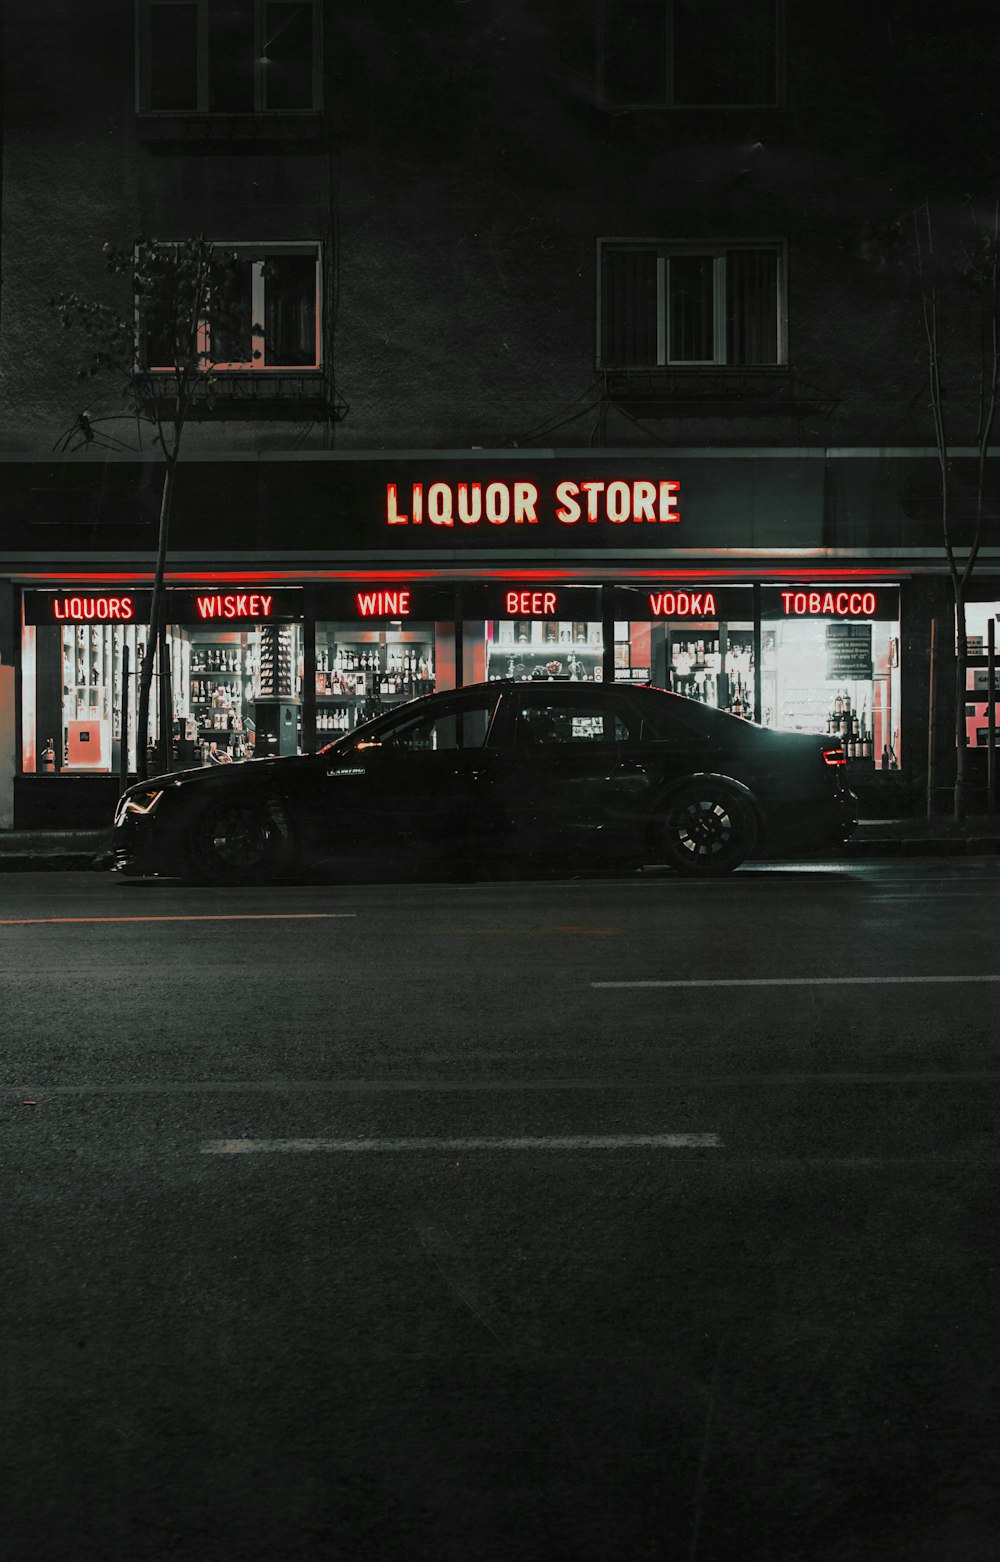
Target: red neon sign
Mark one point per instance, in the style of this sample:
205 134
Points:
835 604
682 604
83 609
531 604
236 604
517 503
618 501
384 604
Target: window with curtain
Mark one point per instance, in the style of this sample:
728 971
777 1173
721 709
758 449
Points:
264 315
663 305
228 56
691 53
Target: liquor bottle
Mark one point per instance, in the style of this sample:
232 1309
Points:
847 703
838 705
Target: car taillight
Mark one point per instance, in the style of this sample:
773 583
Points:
834 756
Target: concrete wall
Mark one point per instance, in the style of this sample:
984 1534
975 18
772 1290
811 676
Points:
465 173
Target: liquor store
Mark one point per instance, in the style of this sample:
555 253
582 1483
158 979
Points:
725 580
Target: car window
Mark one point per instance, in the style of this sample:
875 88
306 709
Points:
667 715
457 727
543 720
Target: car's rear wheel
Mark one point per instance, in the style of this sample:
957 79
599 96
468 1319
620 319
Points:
240 841
706 830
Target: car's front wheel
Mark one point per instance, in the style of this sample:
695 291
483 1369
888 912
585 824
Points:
706 830
240 841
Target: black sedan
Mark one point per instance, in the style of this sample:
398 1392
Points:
496 774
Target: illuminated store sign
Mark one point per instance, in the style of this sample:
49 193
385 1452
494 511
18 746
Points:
384 604
532 604
523 503
674 603
236 604
224 608
829 604
837 601
92 610
532 600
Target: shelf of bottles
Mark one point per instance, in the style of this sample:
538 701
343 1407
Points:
540 649
277 664
694 662
221 679
853 725
700 671
92 657
361 673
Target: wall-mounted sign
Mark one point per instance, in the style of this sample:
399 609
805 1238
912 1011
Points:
532 600
385 601
522 503
833 601
829 604
686 604
225 609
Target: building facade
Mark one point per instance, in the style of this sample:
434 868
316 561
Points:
587 347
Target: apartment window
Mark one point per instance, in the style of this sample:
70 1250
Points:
270 319
691 53
228 56
690 305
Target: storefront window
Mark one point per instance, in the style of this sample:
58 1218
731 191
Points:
699 643
978 617
233 686
830 663
533 632
236 693
527 648
363 669
377 646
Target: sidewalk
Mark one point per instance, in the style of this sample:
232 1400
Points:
31 851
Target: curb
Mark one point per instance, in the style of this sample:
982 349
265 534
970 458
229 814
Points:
974 846
54 862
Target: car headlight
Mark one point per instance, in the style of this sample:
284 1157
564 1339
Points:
141 803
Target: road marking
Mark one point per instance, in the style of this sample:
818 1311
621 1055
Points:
453 1086
364 1146
801 981
221 916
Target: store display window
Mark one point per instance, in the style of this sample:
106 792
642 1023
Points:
978 617
533 632
232 684
698 642
830 663
377 646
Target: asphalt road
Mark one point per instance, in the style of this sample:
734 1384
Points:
559 1221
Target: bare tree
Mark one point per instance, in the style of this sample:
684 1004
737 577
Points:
973 271
186 311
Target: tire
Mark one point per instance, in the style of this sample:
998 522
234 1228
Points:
706 830
240 840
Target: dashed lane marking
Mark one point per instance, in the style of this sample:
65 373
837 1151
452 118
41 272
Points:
801 981
407 1146
220 916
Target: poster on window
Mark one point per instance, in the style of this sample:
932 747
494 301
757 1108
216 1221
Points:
848 651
